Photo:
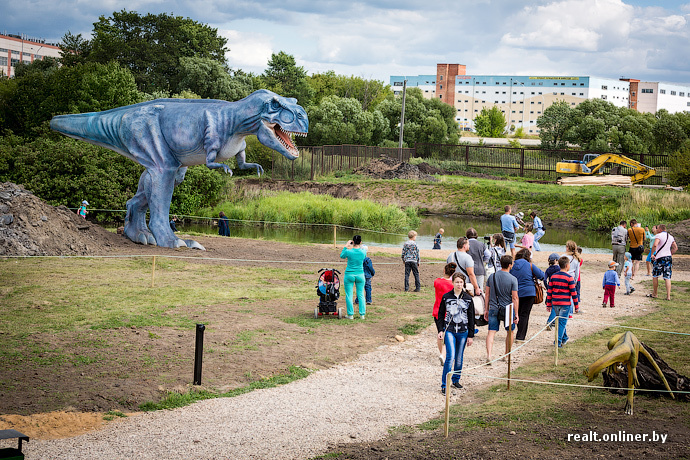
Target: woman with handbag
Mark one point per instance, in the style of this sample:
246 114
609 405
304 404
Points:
528 276
496 251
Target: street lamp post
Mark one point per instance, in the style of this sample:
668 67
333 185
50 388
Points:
402 118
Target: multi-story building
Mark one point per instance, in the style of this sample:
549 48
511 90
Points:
19 48
522 99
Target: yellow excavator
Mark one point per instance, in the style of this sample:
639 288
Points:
593 162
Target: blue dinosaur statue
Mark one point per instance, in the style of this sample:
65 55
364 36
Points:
166 136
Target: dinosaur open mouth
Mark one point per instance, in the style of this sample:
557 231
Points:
285 138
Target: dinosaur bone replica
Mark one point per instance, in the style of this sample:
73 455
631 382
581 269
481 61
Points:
624 349
166 136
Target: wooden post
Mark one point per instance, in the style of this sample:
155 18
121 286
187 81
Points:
334 236
153 270
556 342
510 341
447 421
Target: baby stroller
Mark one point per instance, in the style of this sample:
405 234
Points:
328 290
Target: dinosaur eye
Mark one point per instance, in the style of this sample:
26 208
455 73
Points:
275 105
286 116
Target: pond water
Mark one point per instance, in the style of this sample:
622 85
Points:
454 226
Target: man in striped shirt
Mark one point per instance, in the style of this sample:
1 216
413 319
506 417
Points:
560 294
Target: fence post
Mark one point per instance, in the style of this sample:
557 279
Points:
522 162
467 156
311 175
153 270
556 341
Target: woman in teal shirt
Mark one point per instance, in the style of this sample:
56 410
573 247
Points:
354 274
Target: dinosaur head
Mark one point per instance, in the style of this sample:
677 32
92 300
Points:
281 119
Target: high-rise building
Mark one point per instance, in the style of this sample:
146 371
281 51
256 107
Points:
522 99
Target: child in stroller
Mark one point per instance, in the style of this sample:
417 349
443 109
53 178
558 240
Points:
328 290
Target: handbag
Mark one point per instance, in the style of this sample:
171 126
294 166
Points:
539 289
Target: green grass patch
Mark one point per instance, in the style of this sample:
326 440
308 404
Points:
308 208
112 414
416 326
173 399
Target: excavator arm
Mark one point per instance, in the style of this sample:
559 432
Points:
643 171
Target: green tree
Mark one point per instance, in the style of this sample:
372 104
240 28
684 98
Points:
284 77
368 92
490 122
679 163
74 49
668 133
151 46
554 124
212 80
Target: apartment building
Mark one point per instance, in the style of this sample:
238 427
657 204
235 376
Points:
522 99
20 48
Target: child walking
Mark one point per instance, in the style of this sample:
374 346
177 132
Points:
609 284
410 256
550 271
627 273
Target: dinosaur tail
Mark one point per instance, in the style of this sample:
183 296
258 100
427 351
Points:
98 128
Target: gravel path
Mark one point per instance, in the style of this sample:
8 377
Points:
396 384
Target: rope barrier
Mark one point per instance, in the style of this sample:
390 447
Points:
627 327
592 387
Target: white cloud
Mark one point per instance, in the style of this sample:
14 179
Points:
248 51
579 25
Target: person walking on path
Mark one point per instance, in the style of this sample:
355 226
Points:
619 238
662 257
455 324
223 224
650 237
509 226
465 264
354 275
539 231
82 212
560 296
442 285
574 259
410 256
438 238
609 283
497 250
480 255
501 295
636 241
550 271
525 272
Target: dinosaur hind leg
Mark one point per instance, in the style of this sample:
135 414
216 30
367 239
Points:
135 220
631 389
159 189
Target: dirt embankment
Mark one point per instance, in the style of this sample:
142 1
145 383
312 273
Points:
31 227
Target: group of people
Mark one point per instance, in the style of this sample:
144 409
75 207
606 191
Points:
659 259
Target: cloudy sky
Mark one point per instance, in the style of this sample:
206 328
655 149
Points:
642 39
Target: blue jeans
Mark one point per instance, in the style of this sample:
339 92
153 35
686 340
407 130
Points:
562 313
537 237
359 281
367 290
552 317
577 289
455 349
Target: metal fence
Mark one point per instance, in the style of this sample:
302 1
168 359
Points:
527 162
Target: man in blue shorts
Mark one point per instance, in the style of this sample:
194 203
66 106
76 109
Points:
501 292
508 227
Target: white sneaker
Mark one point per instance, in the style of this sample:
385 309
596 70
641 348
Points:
350 317
442 359
361 316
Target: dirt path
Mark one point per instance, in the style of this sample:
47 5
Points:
357 400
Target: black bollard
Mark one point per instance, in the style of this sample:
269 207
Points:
198 353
